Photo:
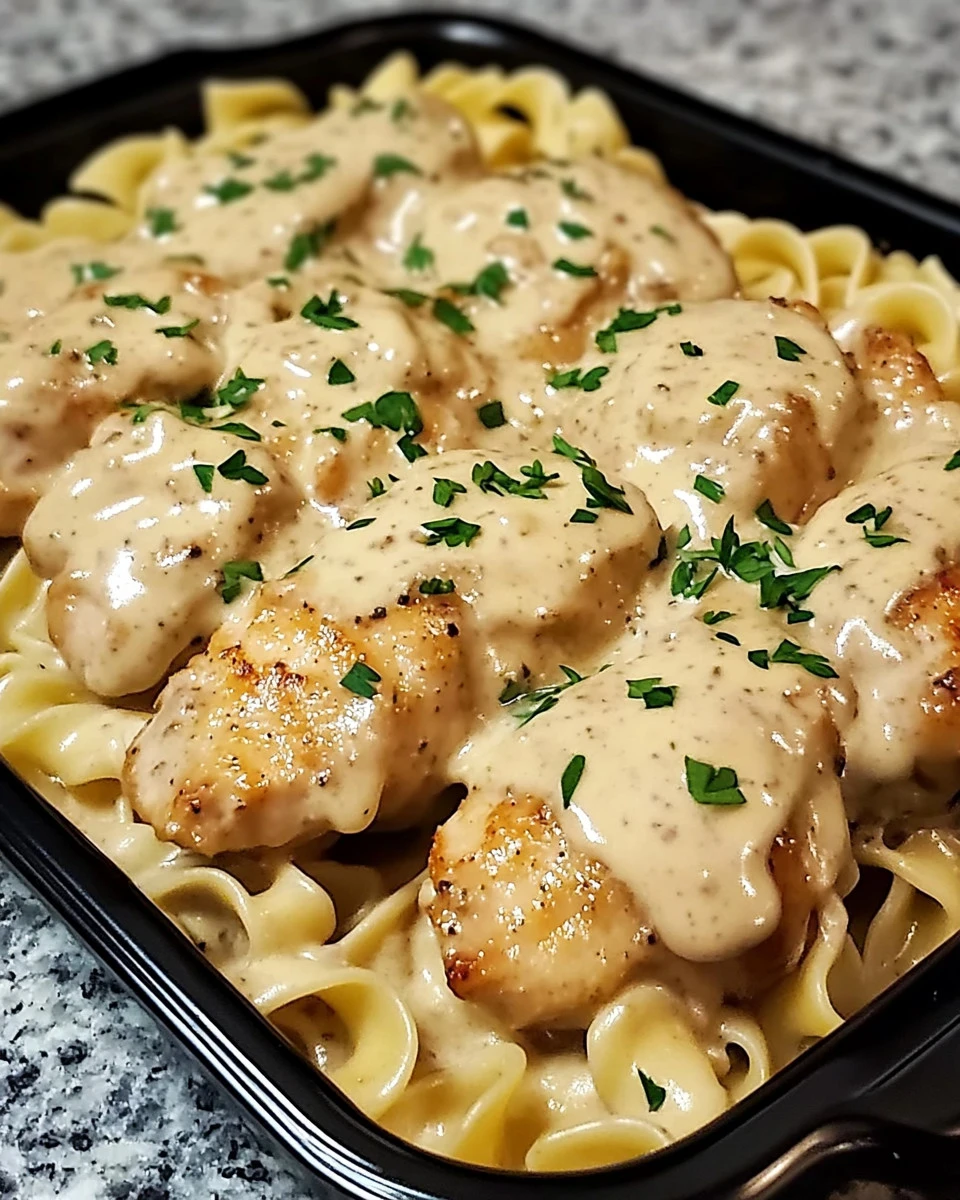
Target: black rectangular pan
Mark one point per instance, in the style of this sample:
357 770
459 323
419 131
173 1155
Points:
876 1099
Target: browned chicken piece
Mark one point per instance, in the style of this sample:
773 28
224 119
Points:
76 364
591 849
891 617
296 724
753 395
135 544
514 902
906 410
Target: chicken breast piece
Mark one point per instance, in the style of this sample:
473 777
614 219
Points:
294 724
135 534
906 411
137 338
541 255
500 582
349 383
677 813
755 396
888 619
279 207
529 926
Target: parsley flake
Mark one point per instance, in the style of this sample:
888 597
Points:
451 316
308 244
204 473
335 431
570 779
518 218
444 491
237 468
663 233
361 524
361 679
655 1094
584 516
178 331
710 488
652 692
724 393
299 567
339 373
237 391
712 785
418 257
766 516
161 221
626 321
386 165
92 271
436 587
134 300
491 415
578 270
574 231
816 664
691 350
327 314
452 531
571 188
238 429
102 352
233 575
589 381
228 190
393 410
410 298
953 462
788 350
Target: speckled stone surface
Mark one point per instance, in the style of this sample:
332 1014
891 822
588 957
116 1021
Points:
95 1101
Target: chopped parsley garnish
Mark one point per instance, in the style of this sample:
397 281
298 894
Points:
488 477
600 492
715 616
589 381
236 467
327 314
570 779
410 298
953 462
283 181
724 393
299 567
867 513
317 166
228 190
393 410
362 680
233 575
712 785
518 218
653 692
578 270
571 188
788 350
452 531
798 616
386 165
760 658
766 516
376 487
731 638
574 231
783 552
783 591
278 281
436 587
134 300
400 109
141 411
452 316
364 105
339 373
361 524
491 415
237 391
527 705
239 160
308 244
178 331
56 347
410 449
489 282
238 429
626 320
584 516
92 271
444 491
335 431
710 488
691 350
816 664
204 473
661 232
418 256
654 1093
162 221
102 352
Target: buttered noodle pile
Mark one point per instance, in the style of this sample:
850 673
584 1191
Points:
415 484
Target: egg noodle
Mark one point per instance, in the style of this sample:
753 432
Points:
335 951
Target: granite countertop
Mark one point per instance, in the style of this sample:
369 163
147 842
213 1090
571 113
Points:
95 1101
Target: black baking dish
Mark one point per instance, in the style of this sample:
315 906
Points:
876 1099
